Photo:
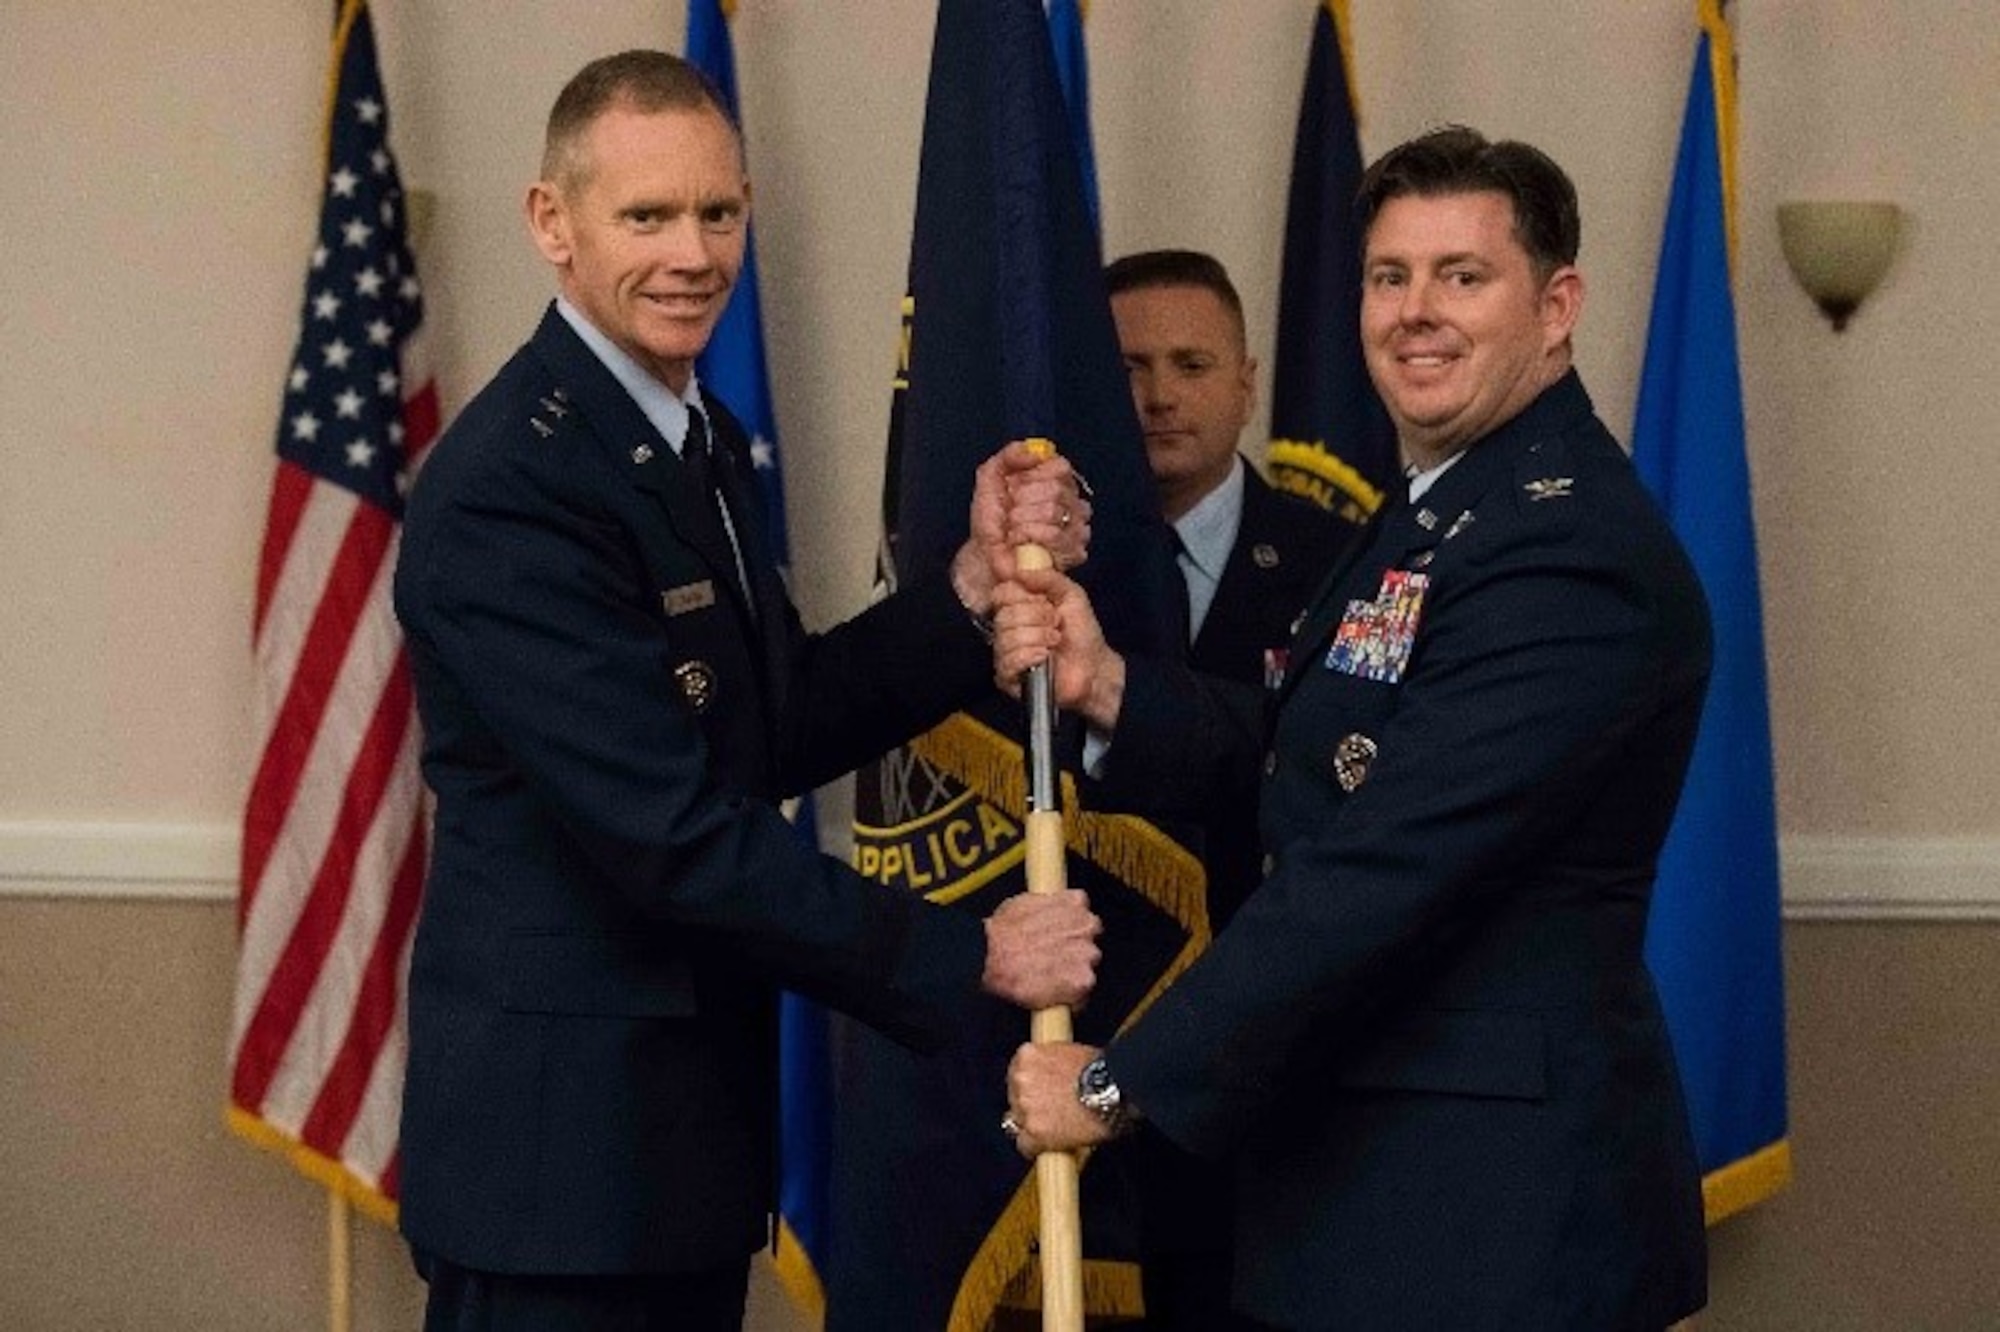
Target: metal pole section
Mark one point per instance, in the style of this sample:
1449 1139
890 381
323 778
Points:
1056 1173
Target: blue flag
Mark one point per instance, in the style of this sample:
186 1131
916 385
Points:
732 368
1331 440
1008 336
1713 941
1073 74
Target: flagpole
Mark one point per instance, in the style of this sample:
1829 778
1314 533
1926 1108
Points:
1056 1173
339 1262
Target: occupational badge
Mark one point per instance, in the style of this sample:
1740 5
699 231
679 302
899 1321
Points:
1375 638
697 681
1351 759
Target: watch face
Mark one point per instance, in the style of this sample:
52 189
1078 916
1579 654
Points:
1096 1090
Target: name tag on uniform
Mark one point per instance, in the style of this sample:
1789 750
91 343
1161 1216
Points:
689 597
1374 639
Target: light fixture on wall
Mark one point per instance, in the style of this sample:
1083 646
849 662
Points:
1839 251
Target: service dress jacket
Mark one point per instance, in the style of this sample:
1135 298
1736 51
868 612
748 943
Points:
1428 1039
614 898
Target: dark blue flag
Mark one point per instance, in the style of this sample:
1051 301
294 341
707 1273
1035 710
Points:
1713 939
732 367
1331 440
1008 336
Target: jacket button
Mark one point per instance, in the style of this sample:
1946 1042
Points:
1271 763
1270 863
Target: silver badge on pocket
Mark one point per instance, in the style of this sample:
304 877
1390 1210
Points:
1351 760
697 681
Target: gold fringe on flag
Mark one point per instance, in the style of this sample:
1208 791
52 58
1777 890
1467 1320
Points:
331 1174
1304 468
1743 1184
1003 1270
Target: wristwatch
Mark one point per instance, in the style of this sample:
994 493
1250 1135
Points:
1097 1093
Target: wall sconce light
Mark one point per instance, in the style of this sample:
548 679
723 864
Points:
1839 251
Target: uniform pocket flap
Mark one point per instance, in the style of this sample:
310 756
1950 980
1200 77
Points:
596 975
1465 1052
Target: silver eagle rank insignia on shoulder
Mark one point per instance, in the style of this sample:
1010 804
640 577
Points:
1550 487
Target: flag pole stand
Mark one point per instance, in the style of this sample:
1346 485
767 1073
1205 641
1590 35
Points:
1056 1173
339 1262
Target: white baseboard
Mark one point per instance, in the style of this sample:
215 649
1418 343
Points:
1826 878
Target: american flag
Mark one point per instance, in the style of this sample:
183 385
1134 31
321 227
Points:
334 838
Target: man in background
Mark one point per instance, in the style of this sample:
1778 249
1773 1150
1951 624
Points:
1250 557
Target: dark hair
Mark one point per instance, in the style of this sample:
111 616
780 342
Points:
1456 160
645 81
1174 268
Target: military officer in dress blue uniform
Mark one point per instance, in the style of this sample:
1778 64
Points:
1250 556
615 691
1427 1043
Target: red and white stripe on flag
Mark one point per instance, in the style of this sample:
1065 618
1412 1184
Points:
334 827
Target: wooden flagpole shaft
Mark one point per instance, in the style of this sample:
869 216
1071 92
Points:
1056 1173
339 1262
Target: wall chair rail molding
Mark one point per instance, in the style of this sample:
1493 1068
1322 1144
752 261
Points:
1891 878
181 862
1825 878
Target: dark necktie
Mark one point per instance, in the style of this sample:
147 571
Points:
1181 560
698 477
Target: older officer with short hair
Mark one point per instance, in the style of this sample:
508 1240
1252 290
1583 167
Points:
615 690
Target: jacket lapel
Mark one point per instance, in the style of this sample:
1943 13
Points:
628 438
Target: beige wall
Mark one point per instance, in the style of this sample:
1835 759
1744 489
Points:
161 168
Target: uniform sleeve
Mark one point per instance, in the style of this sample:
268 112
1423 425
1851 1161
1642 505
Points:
1183 741
866 685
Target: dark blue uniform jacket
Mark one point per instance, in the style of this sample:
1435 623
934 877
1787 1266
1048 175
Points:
1428 1040
614 897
